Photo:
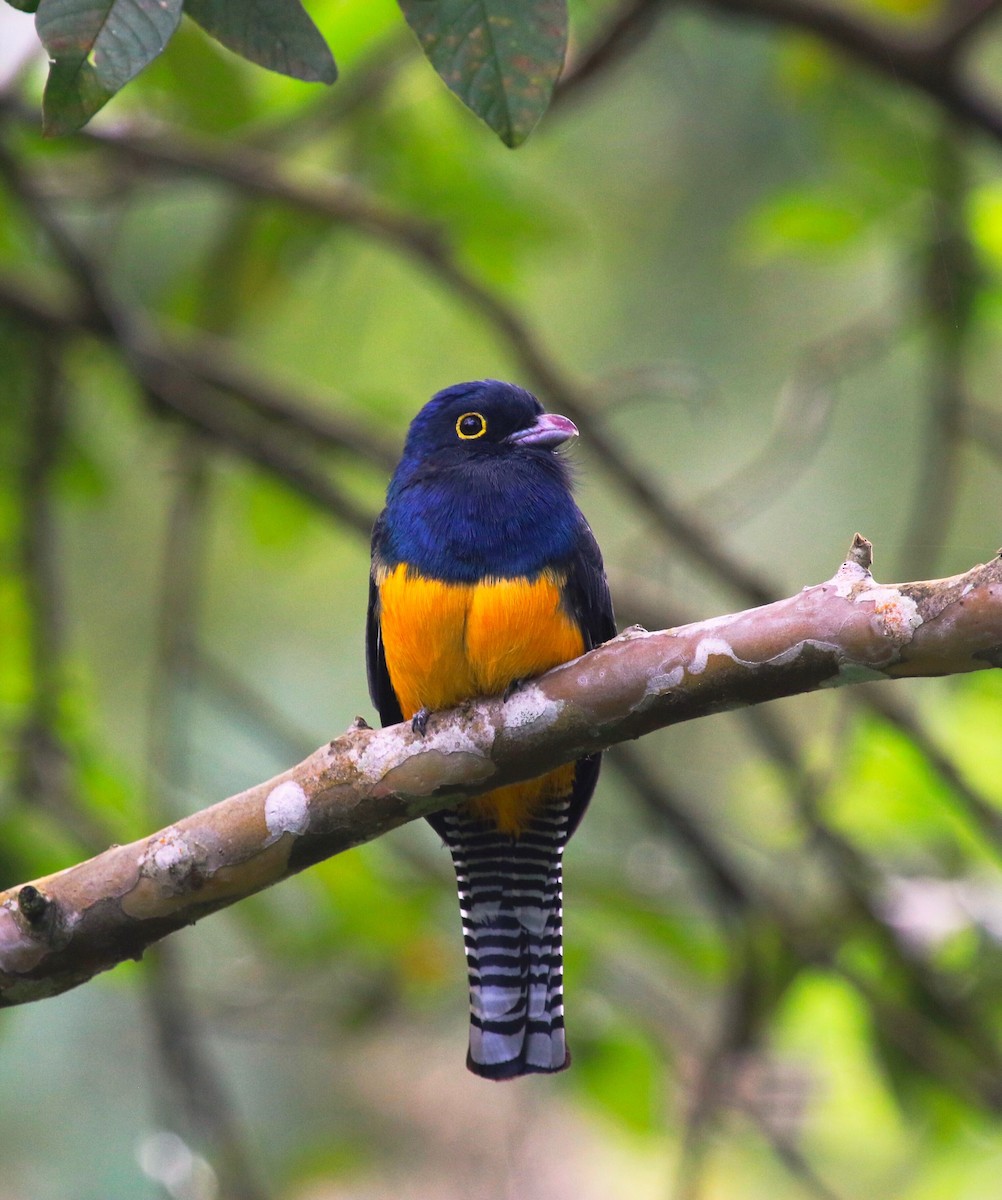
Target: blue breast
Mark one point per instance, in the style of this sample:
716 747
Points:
508 516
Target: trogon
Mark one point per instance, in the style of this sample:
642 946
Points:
484 574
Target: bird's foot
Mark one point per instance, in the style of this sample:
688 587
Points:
512 688
419 722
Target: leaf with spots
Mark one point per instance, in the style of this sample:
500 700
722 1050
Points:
502 58
277 34
95 47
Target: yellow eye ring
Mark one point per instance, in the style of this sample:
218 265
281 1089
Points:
471 425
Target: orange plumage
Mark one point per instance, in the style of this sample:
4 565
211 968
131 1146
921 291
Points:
445 642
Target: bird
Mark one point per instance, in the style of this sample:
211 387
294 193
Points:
484 574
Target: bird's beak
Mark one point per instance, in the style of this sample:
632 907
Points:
548 430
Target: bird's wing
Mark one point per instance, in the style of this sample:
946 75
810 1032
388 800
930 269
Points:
586 591
586 596
380 689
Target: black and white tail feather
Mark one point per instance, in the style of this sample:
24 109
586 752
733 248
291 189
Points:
510 903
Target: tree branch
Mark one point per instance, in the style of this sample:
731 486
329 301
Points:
61 930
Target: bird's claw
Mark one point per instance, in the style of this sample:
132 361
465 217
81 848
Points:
512 688
419 722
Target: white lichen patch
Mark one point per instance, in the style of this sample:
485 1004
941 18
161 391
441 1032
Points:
169 859
849 575
169 852
286 810
706 648
528 706
792 653
664 681
381 754
896 616
384 754
453 740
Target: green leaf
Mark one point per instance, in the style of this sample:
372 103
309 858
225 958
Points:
502 58
96 47
24 5
277 34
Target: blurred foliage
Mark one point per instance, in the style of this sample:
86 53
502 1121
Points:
746 264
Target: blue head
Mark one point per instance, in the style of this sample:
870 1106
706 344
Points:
480 488
483 419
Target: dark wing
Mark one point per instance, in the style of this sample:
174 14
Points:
380 689
586 592
586 596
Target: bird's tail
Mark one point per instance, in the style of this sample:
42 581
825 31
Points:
510 901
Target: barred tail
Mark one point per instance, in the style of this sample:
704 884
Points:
510 901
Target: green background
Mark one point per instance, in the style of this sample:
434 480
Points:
726 241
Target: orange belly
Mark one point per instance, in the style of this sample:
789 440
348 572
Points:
446 642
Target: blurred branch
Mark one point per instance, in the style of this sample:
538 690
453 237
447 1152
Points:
673 818
181 576
267 722
984 426
724 1082
903 1026
181 380
800 420
711 1089
199 404
959 20
862 882
342 201
42 768
44 775
168 378
945 1033
928 59
937 1029
627 29
652 1002
947 299
196 1081
213 361
63 929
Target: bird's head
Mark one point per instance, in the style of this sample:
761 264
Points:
484 418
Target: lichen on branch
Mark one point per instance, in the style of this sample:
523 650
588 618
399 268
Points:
60 931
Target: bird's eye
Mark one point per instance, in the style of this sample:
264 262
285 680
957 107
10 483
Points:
471 425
